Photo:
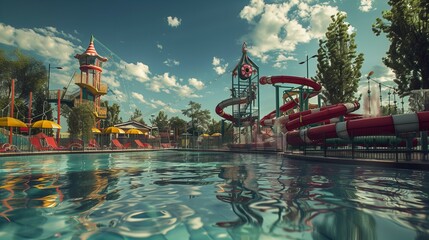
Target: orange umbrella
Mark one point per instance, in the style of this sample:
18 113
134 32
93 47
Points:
113 130
46 124
95 130
11 122
134 131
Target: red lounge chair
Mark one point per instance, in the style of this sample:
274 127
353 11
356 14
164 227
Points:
35 142
116 144
52 144
139 143
93 144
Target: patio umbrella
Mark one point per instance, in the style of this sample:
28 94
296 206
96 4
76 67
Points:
95 130
46 124
204 135
216 134
133 131
113 130
11 122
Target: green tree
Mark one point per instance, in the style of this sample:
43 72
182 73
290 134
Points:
338 68
161 121
137 116
112 114
214 126
178 125
80 121
199 118
406 25
29 73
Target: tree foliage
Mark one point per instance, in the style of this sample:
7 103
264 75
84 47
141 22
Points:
80 121
112 114
338 68
30 74
406 25
199 118
161 121
137 116
178 125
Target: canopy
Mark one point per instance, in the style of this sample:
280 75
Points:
113 130
11 122
134 131
46 124
95 130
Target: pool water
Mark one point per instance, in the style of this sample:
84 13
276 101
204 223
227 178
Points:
207 195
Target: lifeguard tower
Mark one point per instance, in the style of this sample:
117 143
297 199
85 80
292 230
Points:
89 80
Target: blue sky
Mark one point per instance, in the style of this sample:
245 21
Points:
165 53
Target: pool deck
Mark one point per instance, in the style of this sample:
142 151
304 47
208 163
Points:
413 164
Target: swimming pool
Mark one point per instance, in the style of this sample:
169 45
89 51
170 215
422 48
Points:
207 195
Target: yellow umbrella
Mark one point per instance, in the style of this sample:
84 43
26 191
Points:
204 135
95 130
11 122
113 130
133 131
216 134
46 124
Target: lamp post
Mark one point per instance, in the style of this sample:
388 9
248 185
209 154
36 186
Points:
151 122
306 61
49 75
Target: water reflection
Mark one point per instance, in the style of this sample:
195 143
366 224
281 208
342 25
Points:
191 195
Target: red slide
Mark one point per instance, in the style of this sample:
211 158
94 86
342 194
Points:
386 125
268 120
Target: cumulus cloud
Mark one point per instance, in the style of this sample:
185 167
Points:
196 83
159 46
218 66
174 21
365 5
139 97
43 41
139 70
171 62
281 61
279 27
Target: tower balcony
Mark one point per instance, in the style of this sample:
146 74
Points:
98 89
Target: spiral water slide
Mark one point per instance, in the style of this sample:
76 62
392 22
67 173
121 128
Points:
233 101
378 126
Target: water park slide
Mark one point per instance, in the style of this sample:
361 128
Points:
233 101
269 119
378 126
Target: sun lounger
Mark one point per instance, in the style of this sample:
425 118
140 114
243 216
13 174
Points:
35 142
142 145
116 144
52 144
6 147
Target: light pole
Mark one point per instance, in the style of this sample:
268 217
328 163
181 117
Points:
151 122
306 61
49 75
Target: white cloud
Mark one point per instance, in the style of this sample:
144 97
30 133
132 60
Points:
174 21
254 9
138 70
281 61
139 97
43 41
171 62
159 46
196 83
365 5
186 91
218 66
280 27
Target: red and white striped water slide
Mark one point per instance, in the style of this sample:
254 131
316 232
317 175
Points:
393 125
